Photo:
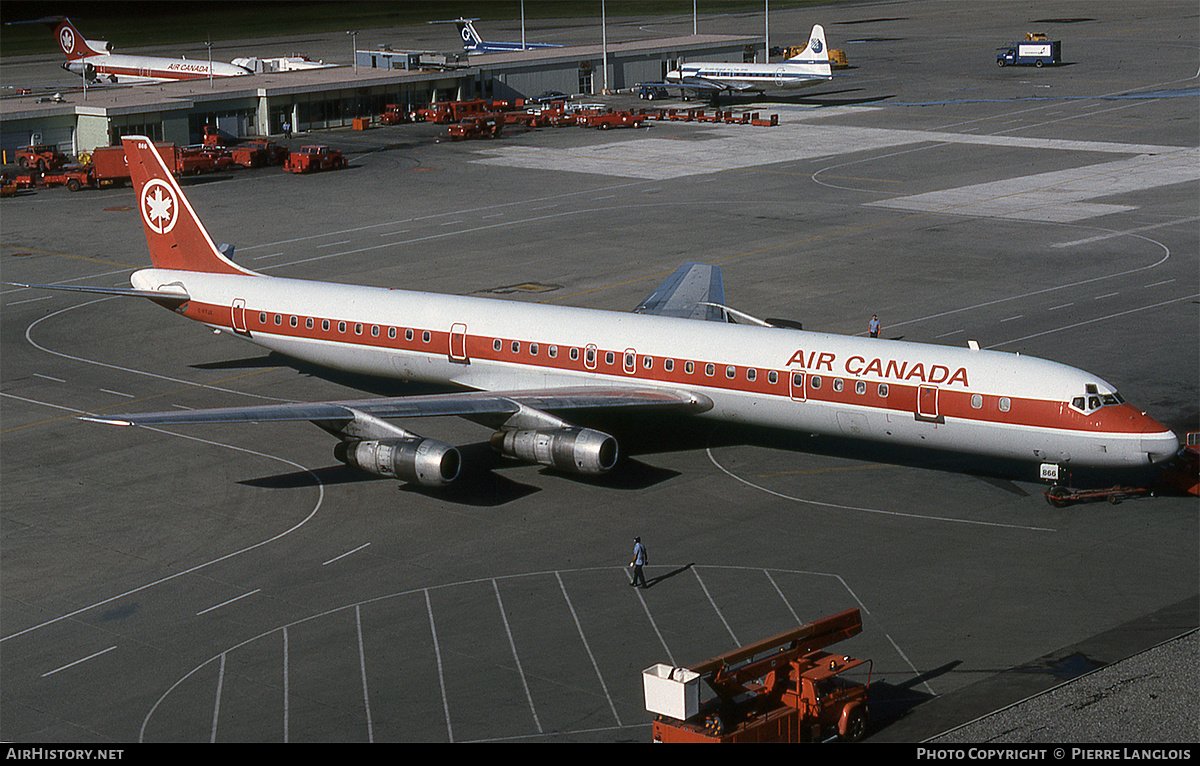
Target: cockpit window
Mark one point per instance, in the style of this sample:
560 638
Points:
1094 400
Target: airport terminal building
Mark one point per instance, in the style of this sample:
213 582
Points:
318 99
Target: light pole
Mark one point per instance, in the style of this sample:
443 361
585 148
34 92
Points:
604 40
208 44
354 47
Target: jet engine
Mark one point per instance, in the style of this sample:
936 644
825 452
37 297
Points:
419 460
579 450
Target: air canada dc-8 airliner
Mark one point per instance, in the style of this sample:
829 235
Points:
524 368
94 60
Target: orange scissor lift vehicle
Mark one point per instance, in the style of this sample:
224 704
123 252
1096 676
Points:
782 689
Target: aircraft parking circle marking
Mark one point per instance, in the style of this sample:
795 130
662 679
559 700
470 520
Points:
504 636
825 504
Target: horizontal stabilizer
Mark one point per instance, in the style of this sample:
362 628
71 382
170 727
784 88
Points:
171 299
690 293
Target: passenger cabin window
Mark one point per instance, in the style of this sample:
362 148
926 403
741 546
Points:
609 357
710 369
325 325
1005 404
552 352
669 365
341 327
308 323
977 401
815 381
425 336
772 377
533 349
860 387
689 367
497 344
408 334
574 354
837 384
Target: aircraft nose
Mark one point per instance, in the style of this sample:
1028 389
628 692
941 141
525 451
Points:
1159 442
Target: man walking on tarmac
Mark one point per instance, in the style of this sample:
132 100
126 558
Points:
639 560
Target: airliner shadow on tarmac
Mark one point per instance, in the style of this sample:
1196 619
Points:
807 99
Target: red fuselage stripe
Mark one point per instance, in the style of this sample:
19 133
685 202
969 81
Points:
882 395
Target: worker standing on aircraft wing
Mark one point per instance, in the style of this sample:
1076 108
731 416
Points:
639 560
873 326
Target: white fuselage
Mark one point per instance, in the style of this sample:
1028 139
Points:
949 398
757 77
138 70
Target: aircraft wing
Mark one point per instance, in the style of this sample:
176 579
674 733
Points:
700 83
465 403
690 292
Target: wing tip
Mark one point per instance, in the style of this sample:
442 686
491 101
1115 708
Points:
106 421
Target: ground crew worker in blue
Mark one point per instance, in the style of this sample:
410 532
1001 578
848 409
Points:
639 560
873 326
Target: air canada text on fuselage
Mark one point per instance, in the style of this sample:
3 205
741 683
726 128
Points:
897 369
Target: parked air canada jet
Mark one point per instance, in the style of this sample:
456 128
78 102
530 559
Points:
809 67
94 60
473 43
525 368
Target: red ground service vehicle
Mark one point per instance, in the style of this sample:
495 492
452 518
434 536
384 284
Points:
446 112
394 114
40 157
109 166
782 689
487 126
612 120
258 153
74 177
1183 472
313 158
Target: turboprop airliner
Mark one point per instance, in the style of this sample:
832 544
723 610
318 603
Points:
94 60
524 369
809 67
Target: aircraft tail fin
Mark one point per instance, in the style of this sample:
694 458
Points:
815 56
176 237
471 38
75 45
